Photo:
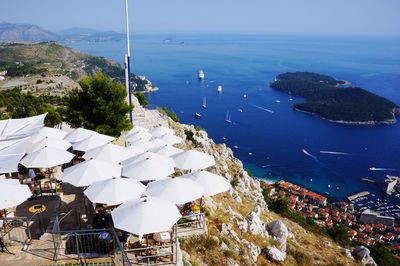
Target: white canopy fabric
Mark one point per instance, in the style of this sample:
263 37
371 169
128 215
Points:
13 146
91 142
111 153
9 163
48 132
136 129
166 150
145 216
115 191
147 169
21 127
12 193
212 183
175 189
158 143
79 134
60 144
46 157
193 160
140 135
149 156
90 171
170 139
141 144
159 131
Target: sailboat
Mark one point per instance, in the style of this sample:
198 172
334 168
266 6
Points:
204 103
228 118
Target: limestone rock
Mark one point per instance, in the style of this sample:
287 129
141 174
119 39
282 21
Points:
279 230
243 225
186 258
275 254
254 250
326 243
347 252
256 226
235 196
363 254
227 230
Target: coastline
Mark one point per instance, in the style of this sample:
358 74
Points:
153 89
355 123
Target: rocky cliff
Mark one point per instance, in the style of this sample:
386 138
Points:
241 229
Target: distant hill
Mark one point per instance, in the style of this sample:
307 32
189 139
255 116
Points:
53 58
329 99
10 32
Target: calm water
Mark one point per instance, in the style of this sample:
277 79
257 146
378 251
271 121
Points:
246 65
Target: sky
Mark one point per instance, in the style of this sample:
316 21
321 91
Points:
343 17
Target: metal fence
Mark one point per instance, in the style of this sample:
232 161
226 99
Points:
165 253
191 222
88 244
15 229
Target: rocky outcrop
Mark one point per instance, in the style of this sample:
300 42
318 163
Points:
254 250
256 225
275 254
279 231
363 254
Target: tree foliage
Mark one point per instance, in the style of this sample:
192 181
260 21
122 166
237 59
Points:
169 113
382 256
16 104
326 98
100 106
141 98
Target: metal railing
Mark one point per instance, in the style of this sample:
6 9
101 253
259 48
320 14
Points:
15 229
192 222
164 253
88 244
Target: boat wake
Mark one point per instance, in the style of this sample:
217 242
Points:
264 109
309 154
382 169
335 152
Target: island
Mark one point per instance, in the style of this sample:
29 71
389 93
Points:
336 100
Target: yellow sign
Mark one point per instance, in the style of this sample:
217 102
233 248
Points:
37 208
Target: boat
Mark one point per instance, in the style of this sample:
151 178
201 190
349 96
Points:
244 95
200 74
228 118
219 89
197 115
204 103
236 147
240 110
250 153
277 101
290 99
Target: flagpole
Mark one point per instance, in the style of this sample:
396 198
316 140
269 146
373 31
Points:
128 83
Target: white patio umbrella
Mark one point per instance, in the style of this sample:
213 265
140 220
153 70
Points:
60 144
79 134
170 139
212 183
166 150
140 135
115 191
111 153
161 159
175 189
48 132
136 129
12 193
159 131
147 169
9 163
145 216
141 144
46 157
193 160
91 142
90 171
13 146
158 143
21 127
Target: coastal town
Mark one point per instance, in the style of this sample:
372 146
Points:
365 227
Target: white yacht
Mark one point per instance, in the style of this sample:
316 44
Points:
219 89
200 74
197 115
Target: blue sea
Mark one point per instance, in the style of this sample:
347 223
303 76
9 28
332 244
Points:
271 144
